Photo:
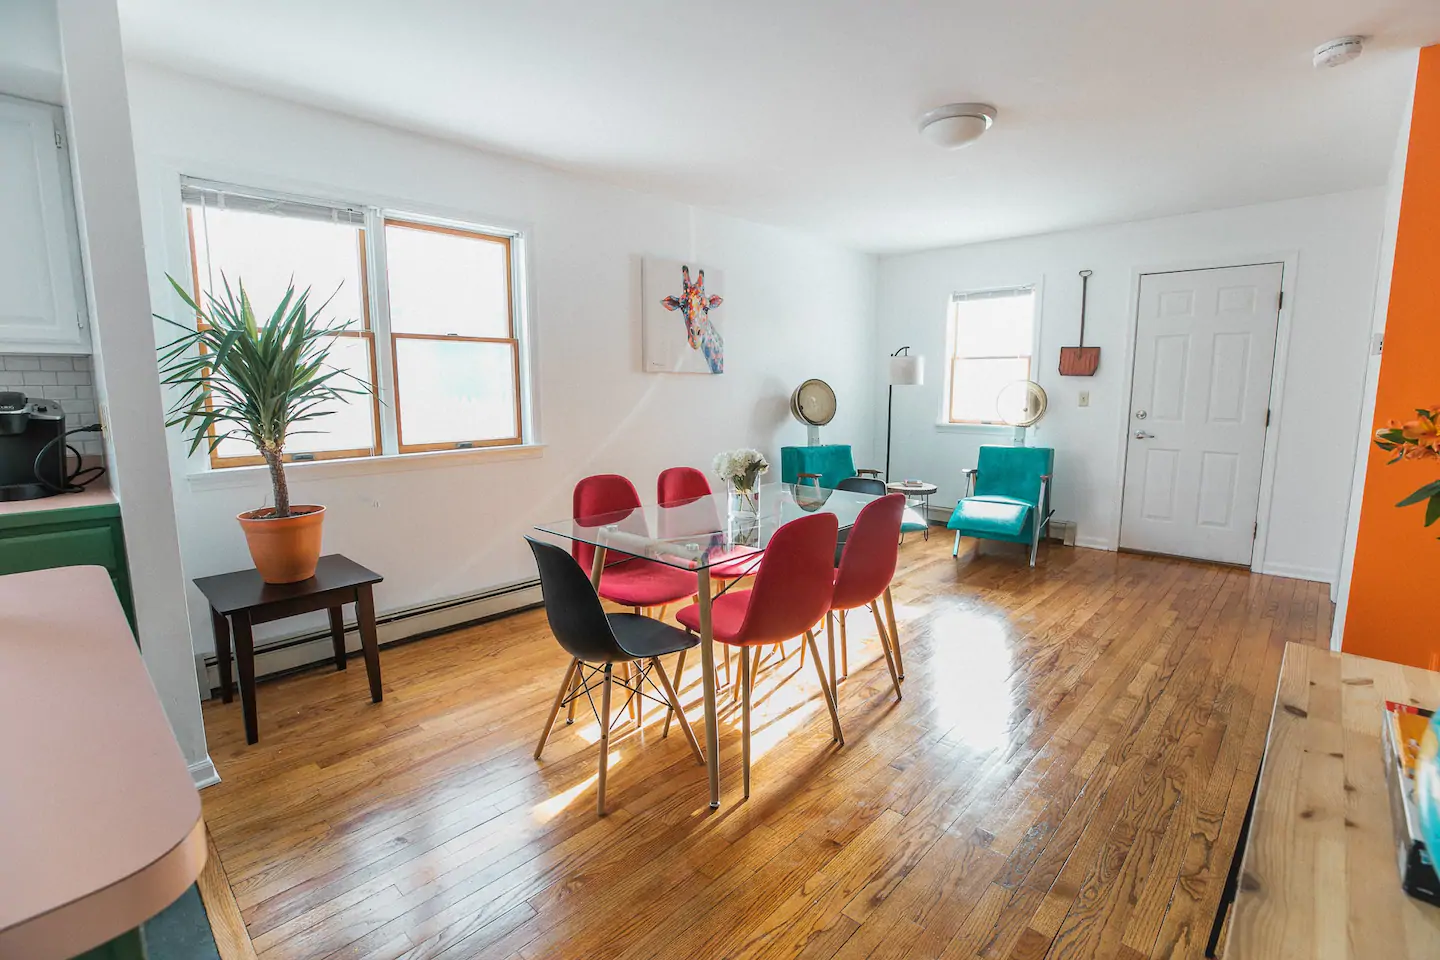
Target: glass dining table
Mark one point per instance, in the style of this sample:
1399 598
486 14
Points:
695 535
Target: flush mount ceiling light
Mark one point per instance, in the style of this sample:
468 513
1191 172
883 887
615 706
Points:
956 124
1332 53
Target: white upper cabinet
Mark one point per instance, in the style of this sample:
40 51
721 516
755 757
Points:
42 300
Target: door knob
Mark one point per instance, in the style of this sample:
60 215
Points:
1142 435
1140 414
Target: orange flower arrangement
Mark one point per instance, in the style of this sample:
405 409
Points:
1417 439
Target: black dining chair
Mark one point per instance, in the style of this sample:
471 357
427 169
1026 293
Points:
867 485
597 640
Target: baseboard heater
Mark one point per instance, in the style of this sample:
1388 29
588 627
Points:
286 655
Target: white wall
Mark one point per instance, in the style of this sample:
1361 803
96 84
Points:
795 308
1393 191
107 201
1332 242
30 51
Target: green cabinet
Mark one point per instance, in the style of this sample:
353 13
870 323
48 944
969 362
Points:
68 537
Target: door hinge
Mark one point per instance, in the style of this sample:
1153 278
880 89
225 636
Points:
59 140
1255 533
1280 301
1267 416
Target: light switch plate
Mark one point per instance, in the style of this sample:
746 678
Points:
1084 398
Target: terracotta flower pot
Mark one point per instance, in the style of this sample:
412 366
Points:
284 550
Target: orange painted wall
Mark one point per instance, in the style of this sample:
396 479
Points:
1394 605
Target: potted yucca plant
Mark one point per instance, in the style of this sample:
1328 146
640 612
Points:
241 378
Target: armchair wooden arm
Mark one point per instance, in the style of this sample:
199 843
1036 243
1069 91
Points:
802 477
869 473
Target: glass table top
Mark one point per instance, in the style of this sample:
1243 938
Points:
701 533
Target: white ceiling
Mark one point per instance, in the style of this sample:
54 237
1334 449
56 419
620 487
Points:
802 113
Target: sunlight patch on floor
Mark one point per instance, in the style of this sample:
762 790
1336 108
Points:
547 810
970 678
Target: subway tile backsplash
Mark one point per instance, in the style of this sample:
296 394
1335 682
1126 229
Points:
67 380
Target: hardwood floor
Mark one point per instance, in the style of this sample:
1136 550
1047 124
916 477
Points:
1065 777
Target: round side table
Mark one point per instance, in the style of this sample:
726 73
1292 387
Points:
917 494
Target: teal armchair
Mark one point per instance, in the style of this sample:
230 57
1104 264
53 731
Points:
825 465
1008 497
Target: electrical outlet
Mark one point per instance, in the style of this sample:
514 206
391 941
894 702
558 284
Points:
1084 398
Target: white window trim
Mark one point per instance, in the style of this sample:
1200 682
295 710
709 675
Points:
388 459
943 423
304 471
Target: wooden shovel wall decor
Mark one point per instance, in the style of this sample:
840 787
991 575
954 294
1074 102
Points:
1081 361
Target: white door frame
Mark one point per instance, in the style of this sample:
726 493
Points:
1290 261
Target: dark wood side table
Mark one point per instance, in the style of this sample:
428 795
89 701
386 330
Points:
247 600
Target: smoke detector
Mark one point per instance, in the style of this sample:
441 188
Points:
956 124
1332 53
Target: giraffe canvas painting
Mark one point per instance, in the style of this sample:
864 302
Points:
681 317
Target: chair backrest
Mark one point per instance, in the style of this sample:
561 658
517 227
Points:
685 507
867 485
680 484
573 608
1013 471
872 547
607 495
795 580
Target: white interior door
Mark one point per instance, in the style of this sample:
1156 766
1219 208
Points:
1204 351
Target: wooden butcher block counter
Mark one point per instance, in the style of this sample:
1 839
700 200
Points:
100 823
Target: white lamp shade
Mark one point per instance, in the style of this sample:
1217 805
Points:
907 371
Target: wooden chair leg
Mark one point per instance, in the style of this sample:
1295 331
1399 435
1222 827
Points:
885 645
802 654
664 607
574 697
604 742
555 710
679 685
830 640
844 649
894 633
754 665
825 689
637 669
627 672
674 701
746 675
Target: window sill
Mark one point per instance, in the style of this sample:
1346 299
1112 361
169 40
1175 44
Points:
978 429
304 471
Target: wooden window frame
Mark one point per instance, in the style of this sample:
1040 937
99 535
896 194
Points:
366 332
512 340
955 359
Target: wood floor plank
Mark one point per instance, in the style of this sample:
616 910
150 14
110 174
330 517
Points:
1064 777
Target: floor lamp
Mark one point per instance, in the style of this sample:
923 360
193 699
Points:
906 370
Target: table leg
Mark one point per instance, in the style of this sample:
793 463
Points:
245 660
369 642
222 654
337 635
707 664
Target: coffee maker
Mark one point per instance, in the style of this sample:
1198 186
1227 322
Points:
32 447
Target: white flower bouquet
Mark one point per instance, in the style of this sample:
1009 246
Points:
742 468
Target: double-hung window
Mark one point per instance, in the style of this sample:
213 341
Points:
433 324
991 336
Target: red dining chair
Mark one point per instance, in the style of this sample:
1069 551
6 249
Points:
678 485
867 565
793 590
632 582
